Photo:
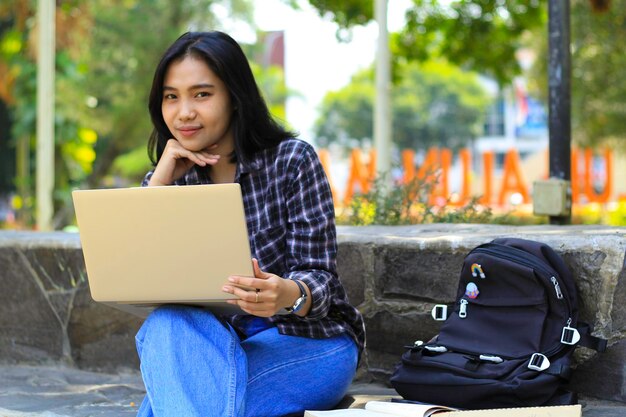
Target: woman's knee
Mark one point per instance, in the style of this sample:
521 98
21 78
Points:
166 316
167 321
168 313
323 374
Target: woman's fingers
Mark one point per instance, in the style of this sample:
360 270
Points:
256 296
201 158
245 295
259 295
258 303
258 273
208 159
195 157
176 160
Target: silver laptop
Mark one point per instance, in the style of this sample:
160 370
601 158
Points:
144 247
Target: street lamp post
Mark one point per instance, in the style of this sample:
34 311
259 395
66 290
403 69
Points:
559 98
45 113
382 105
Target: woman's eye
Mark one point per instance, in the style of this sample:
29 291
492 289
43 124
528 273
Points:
169 97
203 94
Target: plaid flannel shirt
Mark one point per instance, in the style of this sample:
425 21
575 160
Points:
291 228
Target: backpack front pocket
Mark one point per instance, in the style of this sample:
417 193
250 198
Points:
480 328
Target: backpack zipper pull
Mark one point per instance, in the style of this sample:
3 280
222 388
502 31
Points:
557 287
491 358
463 308
417 345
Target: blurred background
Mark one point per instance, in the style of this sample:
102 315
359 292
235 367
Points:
469 92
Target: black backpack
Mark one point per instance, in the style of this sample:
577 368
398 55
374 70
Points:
509 339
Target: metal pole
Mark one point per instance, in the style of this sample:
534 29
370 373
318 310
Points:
382 105
559 103
45 112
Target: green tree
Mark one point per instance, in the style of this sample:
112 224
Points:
18 72
483 35
106 54
598 62
434 103
346 114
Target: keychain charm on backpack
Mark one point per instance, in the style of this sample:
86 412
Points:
477 271
471 290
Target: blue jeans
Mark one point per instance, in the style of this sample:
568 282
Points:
193 364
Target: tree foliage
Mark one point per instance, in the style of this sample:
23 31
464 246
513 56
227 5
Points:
18 72
434 103
597 69
345 13
482 35
106 54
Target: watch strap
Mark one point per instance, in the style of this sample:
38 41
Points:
300 300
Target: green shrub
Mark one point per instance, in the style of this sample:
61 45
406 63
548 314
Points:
409 203
617 217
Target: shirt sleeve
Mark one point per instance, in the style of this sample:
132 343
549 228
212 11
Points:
146 179
311 235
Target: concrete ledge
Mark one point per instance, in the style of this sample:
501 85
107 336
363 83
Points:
393 274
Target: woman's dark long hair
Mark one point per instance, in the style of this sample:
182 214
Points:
253 126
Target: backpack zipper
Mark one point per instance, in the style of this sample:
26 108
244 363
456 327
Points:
557 287
485 357
463 308
514 255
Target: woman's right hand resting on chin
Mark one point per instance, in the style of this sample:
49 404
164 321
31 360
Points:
176 161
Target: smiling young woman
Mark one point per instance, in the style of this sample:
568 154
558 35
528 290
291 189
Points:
211 125
197 110
196 106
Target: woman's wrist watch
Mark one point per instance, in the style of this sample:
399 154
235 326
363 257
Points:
299 303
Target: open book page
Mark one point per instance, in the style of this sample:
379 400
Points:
397 409
424 410
353 412
384 409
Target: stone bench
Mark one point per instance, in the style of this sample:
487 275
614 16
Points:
393 274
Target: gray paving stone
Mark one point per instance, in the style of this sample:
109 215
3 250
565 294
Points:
61 391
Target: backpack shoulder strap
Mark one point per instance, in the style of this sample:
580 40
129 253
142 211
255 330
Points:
562 397
589 341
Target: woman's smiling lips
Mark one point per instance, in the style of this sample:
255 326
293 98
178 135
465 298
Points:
188 130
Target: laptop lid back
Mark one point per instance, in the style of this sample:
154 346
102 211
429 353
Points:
156 245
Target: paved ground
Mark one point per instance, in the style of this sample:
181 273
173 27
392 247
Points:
54 391
58 391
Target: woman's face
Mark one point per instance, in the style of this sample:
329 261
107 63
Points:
196 107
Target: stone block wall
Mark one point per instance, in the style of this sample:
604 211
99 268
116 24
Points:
393 274
46 311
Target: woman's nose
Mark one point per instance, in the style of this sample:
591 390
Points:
187 110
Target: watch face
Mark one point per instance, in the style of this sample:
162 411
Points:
298 304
